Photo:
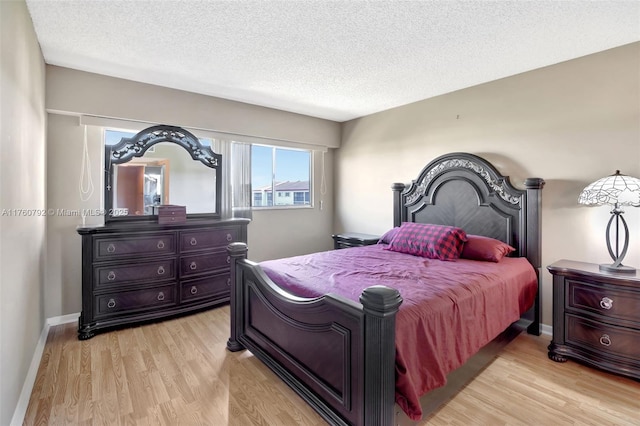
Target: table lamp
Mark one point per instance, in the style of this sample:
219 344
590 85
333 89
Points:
616 190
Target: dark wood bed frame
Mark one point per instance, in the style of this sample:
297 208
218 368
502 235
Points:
339 355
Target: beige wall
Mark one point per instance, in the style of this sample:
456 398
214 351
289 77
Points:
570 123
22 186
280 233
65 139
72 91
272 233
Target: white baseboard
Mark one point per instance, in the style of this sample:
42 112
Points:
546 329
30 380
64 319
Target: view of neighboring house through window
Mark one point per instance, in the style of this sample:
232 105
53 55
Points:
283 172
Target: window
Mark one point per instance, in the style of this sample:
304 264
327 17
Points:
112 137
281 171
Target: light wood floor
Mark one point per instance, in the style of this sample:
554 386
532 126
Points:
179 372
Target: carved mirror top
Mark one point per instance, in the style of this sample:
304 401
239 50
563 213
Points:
135 187
137 145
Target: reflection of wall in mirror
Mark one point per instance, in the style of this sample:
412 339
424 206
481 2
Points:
192 184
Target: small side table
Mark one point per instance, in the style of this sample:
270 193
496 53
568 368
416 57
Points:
353 239
596 317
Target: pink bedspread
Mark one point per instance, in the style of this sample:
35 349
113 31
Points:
450 309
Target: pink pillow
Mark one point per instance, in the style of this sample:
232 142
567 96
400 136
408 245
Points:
388 236
484 248
430 241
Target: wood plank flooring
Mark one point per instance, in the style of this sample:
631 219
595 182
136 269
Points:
178 372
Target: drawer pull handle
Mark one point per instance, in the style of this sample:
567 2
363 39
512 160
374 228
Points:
111 276
160 270
161 296
229 237
606 303
193 241
193 266
194 289
605 340
160 244
111 303
111 248
229 282
228 259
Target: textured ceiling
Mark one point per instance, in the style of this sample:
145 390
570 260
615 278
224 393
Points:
330 59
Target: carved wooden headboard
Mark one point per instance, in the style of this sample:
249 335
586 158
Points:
467 191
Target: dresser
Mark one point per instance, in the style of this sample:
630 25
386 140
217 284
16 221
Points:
596 317
353 239
139 272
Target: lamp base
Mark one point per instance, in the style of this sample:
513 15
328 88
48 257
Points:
621 269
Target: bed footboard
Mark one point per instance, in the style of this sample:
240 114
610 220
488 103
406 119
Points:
338 355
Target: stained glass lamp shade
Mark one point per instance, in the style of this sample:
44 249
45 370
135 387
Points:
616 190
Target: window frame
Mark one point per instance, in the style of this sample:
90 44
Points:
273 181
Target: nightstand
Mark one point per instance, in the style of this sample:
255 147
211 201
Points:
596 317
353 239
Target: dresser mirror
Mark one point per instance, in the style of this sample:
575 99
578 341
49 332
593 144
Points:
161 165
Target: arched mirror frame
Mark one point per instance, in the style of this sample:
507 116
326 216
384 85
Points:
136 146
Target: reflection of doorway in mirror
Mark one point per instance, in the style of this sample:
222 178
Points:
153 190
141 185
129 188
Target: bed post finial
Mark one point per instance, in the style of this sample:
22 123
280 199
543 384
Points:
380 305
236 251
397 203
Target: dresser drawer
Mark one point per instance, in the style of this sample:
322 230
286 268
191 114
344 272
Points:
603 338
214 286
122 274
603 300
135 300
144 245
203 263
207 239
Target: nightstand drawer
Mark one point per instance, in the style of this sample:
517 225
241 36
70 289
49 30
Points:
603 338
603 300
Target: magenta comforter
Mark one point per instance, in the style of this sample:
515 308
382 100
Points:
450 309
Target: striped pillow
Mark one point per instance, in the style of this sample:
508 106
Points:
428 240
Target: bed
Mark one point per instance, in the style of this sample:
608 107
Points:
335 328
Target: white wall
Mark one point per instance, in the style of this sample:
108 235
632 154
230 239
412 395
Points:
22 186
571 124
